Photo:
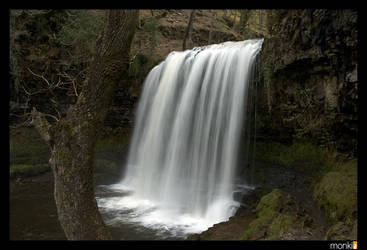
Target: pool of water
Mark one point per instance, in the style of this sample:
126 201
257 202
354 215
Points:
33 214
134 218
32 210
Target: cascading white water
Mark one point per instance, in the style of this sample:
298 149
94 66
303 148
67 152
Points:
184 148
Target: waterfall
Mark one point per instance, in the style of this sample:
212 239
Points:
190 116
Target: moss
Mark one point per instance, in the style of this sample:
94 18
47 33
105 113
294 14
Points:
302 156
336 192
273 218
338 231
27 147
354 232
281 225
28 170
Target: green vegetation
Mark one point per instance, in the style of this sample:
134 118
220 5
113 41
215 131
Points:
276 215
80 33
336 194
114 140
29 154
303 156
334 186
28 170
27 147
151 27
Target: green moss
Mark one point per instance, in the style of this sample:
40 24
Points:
353 234
281 225
338 231
27 147
28 170
303 156
336 192
272 220
270 202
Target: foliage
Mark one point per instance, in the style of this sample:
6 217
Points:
80 33
138 66
151 27
53 46
245 15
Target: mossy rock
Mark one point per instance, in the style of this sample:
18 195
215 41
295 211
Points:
276 215
338 231
336 193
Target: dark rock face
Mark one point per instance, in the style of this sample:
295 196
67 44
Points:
310 70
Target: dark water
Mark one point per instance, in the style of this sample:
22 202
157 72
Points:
33 214
32 210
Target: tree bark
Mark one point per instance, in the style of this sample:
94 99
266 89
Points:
72 139
189 31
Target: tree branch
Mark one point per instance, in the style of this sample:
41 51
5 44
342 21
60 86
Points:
41 124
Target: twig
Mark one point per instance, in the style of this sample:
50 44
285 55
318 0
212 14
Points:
41 76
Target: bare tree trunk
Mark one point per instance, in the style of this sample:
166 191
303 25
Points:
189 31
72 139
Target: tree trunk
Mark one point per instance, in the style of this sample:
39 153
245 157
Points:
189 31
72 139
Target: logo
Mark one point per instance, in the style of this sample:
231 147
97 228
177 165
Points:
355 244
347 245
